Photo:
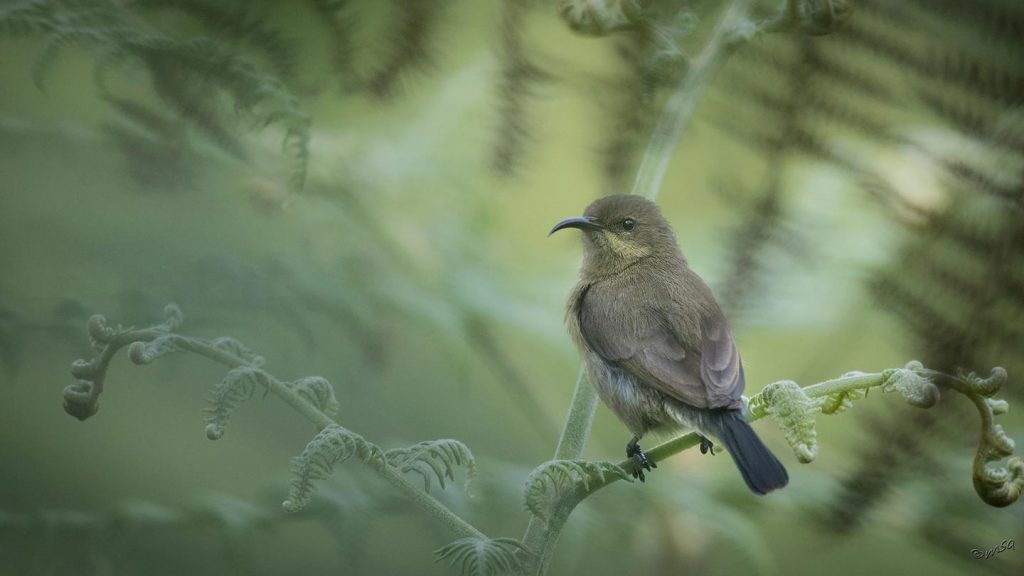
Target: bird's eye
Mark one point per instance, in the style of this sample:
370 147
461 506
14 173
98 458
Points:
628 224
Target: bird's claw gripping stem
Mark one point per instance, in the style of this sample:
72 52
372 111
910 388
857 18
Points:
706 446
634 451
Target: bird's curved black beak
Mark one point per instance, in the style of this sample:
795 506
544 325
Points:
581 222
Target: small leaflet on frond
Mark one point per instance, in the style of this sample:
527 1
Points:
793 411
435 459
841 401
551 480
142 353
173 316
236 348
484 556
238 385
318 392
331 446
914 387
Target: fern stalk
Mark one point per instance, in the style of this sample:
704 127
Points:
82 398
733 28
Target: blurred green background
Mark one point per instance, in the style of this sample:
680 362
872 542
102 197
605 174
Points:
854 199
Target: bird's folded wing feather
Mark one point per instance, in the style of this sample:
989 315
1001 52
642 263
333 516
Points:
650 347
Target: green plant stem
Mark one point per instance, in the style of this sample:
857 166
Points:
675 117
577 423
540 537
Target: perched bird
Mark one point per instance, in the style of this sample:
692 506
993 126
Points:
656 345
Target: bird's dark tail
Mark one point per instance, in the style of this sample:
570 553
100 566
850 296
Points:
761 470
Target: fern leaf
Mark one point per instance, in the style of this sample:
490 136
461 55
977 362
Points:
145 352
551 480
190 76
331 446
239 385
793 411
434 459
414 24
318 392
484 556
238 23
337 18
915 388
236 348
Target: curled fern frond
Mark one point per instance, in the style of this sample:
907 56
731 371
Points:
997 486
318 392
551 480
793 411
145 352
909 382
238 385
484 556
331 446
81 399
99 332
434 459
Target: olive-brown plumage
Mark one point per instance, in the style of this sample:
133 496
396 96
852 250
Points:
657 347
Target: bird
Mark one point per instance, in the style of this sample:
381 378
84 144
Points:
656 345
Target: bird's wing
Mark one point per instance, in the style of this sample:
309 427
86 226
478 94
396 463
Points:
720 369
650 346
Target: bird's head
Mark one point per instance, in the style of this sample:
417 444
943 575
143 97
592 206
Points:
620 230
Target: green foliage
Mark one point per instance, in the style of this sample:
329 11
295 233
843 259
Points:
336 14
239 385
238 23
434 459
550 482
912 385
521 77
331 446
841 401
191 76
793 411
318 392
409 34
484 556
81 399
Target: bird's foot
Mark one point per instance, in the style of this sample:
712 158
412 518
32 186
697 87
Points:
634 451
706 446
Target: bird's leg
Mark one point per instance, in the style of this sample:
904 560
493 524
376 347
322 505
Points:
706 445
634 451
